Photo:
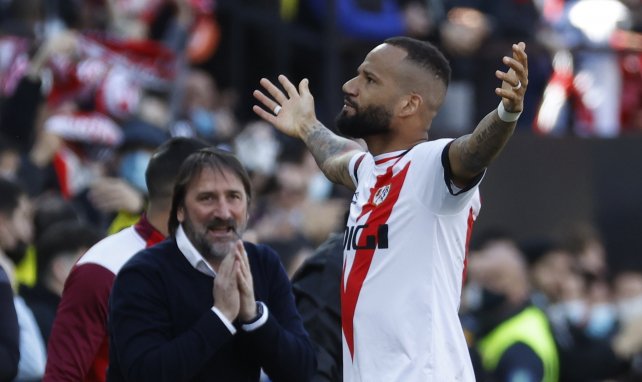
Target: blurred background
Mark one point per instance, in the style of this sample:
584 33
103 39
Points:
102 79
88 89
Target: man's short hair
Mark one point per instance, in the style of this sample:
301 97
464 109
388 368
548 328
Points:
425 55
10 199
165 163
212 158
63 238
51 208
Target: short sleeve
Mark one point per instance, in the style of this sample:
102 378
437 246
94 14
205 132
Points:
431 170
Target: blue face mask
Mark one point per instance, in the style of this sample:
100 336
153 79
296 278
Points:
601 322
133 166
204 122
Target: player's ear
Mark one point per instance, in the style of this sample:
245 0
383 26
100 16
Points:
409 104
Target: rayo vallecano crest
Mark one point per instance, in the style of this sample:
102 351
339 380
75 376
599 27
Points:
381 194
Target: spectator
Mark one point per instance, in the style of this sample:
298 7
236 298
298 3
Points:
628 341
316 287
57 250
583 330
78 347
514 338
206 112
16 230
203 304
9 330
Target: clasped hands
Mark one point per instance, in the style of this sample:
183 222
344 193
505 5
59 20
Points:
233 286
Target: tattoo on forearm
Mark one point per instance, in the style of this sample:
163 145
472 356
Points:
481 147
324 146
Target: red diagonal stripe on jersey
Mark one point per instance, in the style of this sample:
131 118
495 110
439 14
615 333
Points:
469 233
363 257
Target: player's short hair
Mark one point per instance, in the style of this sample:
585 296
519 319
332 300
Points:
425 55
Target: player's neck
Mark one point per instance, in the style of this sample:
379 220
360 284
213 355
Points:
385 144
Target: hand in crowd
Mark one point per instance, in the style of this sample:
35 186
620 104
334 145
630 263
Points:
114 194
628 341
64 43
44 148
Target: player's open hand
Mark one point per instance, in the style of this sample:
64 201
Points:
290 111
514 80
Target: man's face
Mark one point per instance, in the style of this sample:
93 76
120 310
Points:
16 231
369 97
215 206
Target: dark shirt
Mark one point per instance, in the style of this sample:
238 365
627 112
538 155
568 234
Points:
317 289
44 304
162 327
9 331
519 363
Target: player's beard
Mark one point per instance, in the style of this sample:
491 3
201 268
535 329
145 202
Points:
212 250
372 120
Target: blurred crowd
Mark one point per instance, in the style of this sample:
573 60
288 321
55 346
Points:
556 298
89 88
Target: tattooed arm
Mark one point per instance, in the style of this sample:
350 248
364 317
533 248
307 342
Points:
471 154
294 115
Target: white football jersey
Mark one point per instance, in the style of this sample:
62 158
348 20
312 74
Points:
405 248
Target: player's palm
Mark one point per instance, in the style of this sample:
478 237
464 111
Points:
290 111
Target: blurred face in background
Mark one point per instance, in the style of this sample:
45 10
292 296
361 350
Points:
16 230
200 91
497 276
550 272
627 288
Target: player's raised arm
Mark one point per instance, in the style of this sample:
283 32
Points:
471 154
293 113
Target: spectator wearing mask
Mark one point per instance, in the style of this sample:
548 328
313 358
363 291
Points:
513 336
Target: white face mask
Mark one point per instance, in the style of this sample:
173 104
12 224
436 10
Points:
629 309
572 312
602 320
